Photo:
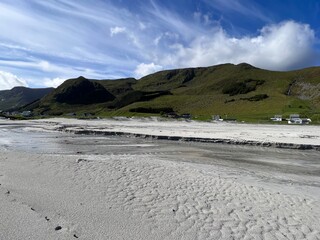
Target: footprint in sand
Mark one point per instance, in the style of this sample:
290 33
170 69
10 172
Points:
82 160
58 228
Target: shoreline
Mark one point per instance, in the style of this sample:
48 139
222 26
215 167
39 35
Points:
276 136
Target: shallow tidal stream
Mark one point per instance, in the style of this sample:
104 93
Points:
286 169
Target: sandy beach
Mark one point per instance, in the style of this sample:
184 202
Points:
238 133
59 185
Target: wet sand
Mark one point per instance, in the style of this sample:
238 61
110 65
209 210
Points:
103 187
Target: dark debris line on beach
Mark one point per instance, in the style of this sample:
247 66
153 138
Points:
196 139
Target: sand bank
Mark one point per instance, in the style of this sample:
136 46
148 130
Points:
281 136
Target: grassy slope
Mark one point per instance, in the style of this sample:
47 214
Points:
199 91
203 94
118 87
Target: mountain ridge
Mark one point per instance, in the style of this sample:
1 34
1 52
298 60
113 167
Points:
19 96
241 91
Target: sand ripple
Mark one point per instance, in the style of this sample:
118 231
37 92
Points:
190 204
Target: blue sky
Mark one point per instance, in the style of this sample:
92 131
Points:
43 42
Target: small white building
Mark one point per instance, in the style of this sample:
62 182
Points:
295 119
217 118
277 118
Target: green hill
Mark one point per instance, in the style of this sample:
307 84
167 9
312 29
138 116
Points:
20 96
236 91
73 95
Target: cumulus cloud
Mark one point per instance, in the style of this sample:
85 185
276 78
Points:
8 81
116 30
113 41
144 69
282 46
55 82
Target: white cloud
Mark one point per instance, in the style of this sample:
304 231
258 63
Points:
53 70
41 65
282 46
157 40
129 34
239 6
56 82
116 30
144 69
8 81
142 26
45 66
107 41
164 18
